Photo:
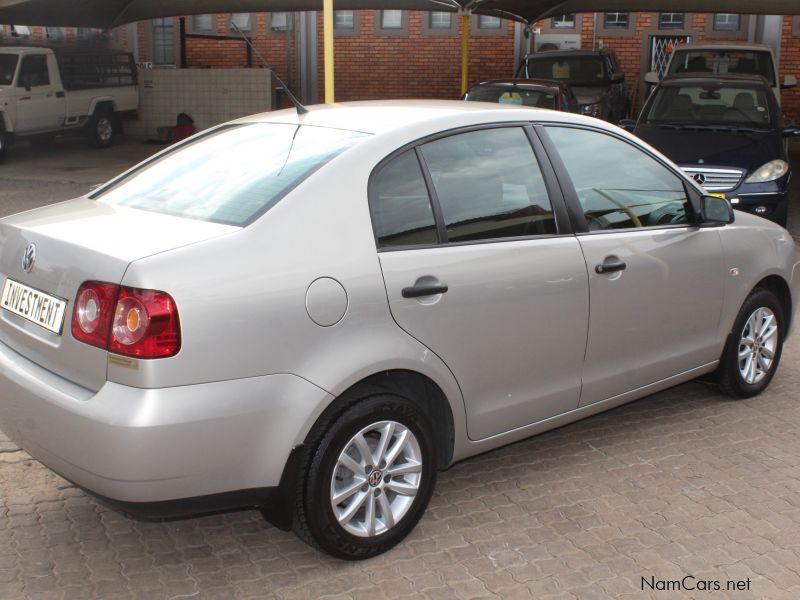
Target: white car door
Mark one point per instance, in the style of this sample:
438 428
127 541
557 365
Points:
656 279
40 100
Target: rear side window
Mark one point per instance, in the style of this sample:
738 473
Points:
401 208
489 185
233 174
618 185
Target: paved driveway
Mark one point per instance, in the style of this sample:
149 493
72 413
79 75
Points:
621 505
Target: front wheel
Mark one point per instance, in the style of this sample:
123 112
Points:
369 478
754 347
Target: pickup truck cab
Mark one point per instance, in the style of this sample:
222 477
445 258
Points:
727 58
43 95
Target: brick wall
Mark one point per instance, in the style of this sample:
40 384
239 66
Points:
416 65
790 65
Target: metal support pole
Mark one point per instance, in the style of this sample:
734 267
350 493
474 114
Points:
327 18
464 52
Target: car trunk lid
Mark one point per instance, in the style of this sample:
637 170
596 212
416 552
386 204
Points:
77 241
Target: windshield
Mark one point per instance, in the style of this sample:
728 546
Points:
710 105
741 62
8 66
575 70
233 174
518 96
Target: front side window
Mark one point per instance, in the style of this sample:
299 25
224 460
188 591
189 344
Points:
710 104
401 208
344 19
233 174
489 185
33 72
8 66
618 185
565 21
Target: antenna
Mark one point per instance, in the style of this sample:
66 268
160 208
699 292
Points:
301 110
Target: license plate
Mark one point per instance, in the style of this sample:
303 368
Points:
717 195
34 305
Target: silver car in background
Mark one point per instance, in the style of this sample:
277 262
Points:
312 314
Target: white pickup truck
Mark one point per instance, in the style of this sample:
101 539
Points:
43 95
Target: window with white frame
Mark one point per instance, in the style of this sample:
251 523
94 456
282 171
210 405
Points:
391 19
244 21
565 21
671 20
617 20
203 23
22 31
344 19
726 22
279 21
488 22
440 19
163 41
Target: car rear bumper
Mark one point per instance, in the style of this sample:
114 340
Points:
136 445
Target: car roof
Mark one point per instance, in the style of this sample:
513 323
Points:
549 53
705 78
724 45
537 83
377 117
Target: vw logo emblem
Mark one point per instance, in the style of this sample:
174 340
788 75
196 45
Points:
375 478
699 178
28 258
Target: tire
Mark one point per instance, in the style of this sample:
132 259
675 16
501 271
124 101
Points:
371 414
3 145
100 129
734 377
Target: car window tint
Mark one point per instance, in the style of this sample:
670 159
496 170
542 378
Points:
33 72
618 185
489 185
232 174
401 208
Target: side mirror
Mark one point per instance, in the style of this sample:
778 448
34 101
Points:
789 82
715 211
628 124
618 78
791 131
652 78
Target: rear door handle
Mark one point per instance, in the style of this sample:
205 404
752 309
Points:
418 291
610 265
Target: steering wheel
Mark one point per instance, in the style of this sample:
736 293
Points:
626 209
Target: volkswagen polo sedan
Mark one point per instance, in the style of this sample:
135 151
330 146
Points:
313 314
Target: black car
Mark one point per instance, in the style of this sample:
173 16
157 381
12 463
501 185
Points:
538 93
727 133
594 77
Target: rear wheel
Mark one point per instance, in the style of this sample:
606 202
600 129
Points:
754 347
368 477
100 129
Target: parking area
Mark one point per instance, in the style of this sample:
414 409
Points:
685 485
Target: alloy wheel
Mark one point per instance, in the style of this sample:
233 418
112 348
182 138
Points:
758 345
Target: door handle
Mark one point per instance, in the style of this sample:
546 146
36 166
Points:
418 291
610 265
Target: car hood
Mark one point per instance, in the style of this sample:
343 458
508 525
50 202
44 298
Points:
742 150
590 94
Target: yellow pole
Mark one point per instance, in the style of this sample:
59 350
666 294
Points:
464 53
327 19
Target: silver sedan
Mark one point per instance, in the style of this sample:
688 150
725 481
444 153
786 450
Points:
313 314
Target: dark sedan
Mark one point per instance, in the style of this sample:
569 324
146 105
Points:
727 133
538 93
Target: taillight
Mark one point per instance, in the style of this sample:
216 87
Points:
127 321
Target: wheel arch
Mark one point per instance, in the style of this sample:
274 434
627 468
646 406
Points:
100 104
778 286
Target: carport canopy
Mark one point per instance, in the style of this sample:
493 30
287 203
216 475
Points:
106 14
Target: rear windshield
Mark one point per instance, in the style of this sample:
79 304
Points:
720 61
233 174
574 70
8 65
519 96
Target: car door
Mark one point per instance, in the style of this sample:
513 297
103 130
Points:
480 267
40 102
656 279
